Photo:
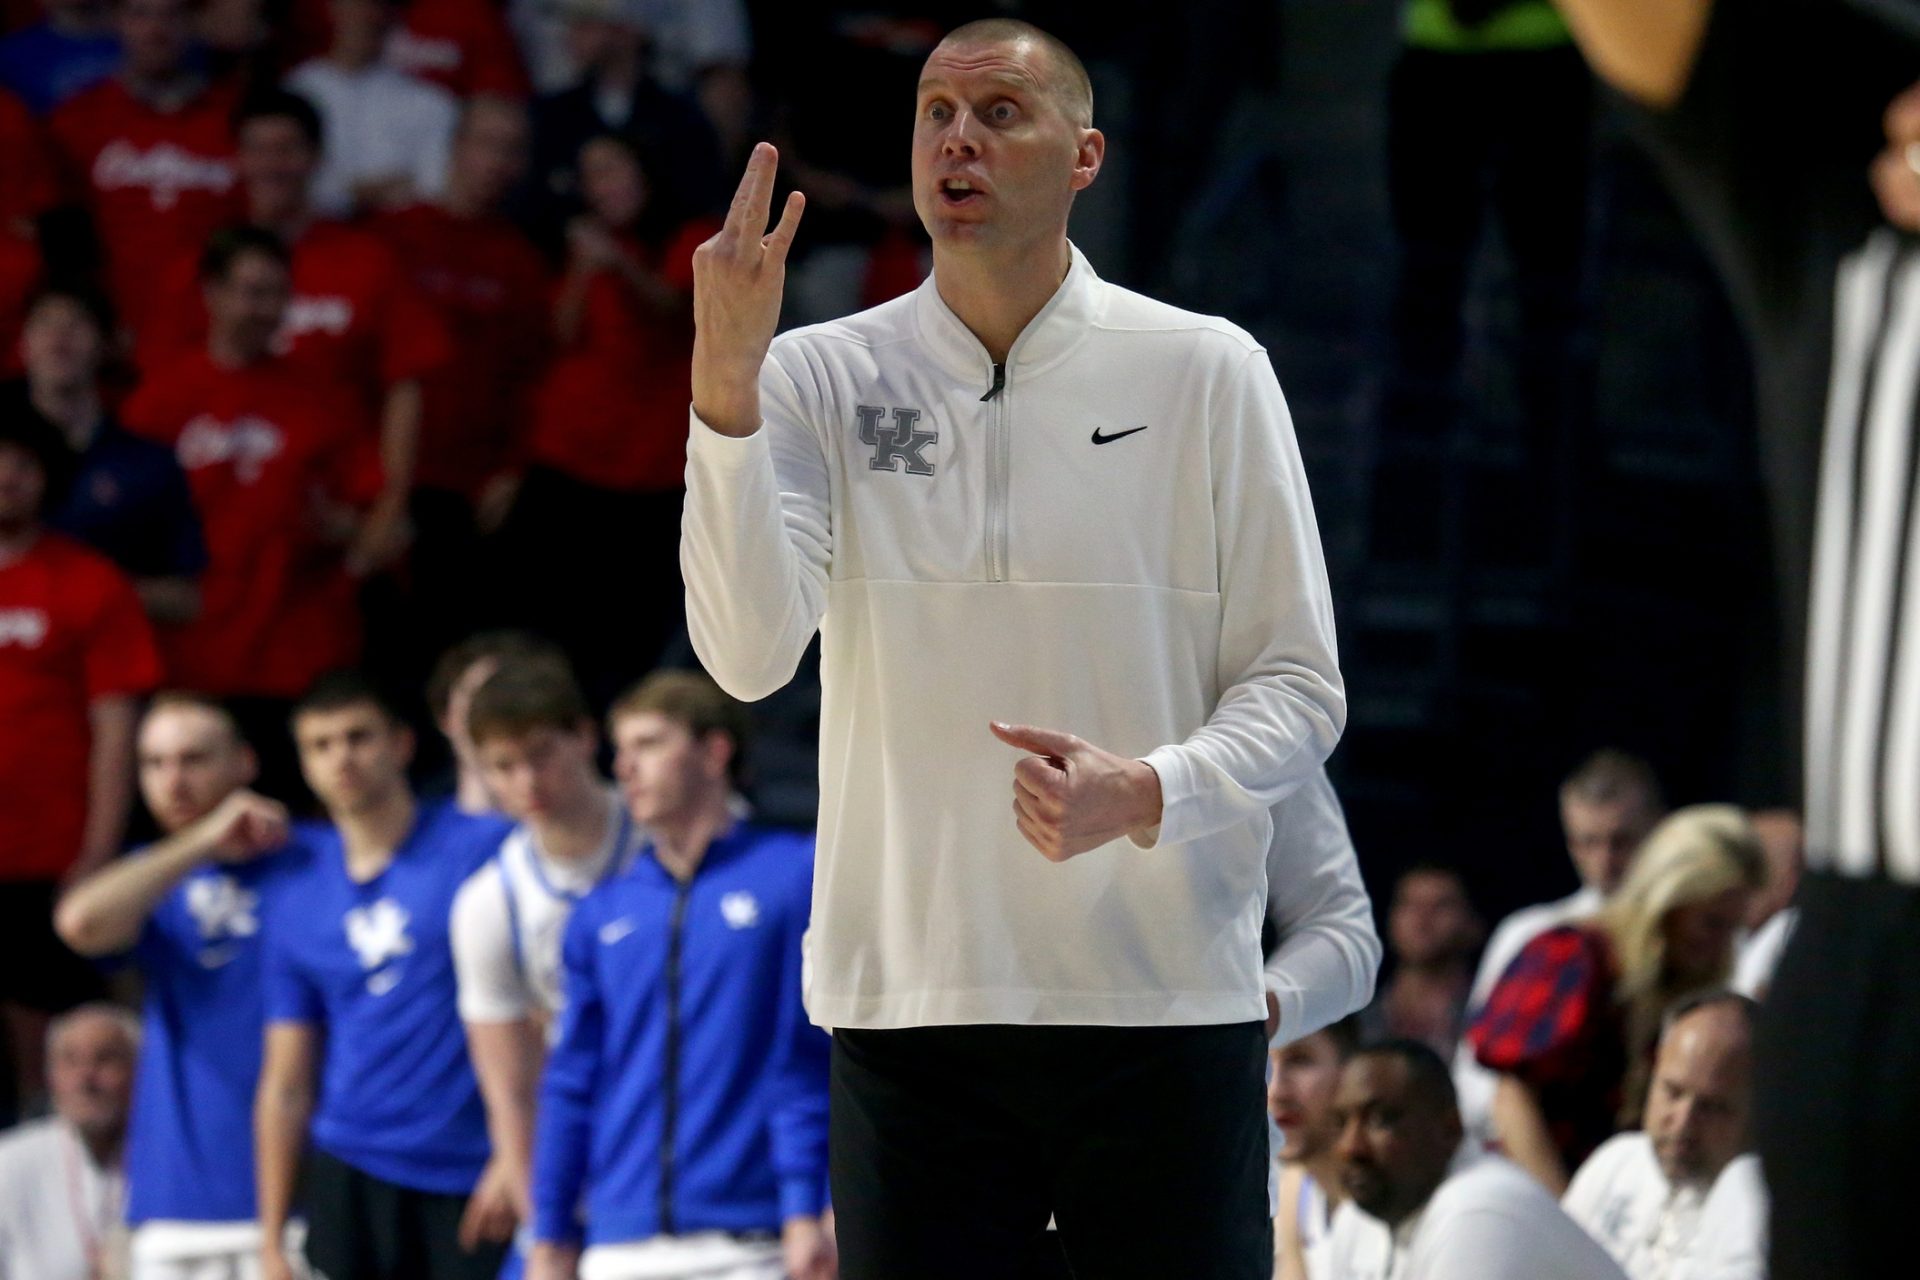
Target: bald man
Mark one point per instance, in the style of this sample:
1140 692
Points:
1020 492
62 1185
1641 1194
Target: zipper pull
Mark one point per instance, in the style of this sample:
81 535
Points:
999 382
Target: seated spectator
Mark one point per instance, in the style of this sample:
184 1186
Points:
281 466
1641 1194
536 740
1323 953
1571 1027
353 316
736 1185
128 498
1731 1243
387 134
608 452
611 91
76 654
1301 1078
188 909
1772 916
74 48
489 286
1432 934
61 1179
365 1088
463 46
1421 1206
1607 806
450 687
151 152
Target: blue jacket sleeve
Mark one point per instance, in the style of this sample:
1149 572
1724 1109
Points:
563 1130
797 1119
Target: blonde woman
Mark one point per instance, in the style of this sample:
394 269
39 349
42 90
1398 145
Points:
1570 1028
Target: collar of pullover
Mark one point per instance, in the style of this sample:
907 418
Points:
1053 333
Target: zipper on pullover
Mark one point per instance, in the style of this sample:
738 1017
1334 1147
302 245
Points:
999 450
671 1084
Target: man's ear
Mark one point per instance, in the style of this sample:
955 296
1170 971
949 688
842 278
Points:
1089 156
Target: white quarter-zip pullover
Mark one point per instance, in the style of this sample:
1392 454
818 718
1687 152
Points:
1112 536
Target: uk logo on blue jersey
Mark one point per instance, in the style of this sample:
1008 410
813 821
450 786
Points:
223 911
377 933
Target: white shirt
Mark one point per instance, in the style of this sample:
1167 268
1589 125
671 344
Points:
1117 543
1488 1221
1732 1241
1473 1083
58 1209
510 916
1760 953
378 123
1624 1200
1329 952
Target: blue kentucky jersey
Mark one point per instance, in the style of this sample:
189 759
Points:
190 1137
686 1091
370 967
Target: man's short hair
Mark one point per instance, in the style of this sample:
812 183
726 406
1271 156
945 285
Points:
1345 1035
124 1020
190 700
344 688
505 647
1745 1006
1610 776
93 303
527 695
691 699
275 103
1428 1075
1071 86
229 244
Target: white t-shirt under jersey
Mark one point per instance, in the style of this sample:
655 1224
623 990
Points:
1625 1201
1488 1221
510 915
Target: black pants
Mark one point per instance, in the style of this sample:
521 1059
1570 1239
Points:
360 1228
1837 1093
950 1146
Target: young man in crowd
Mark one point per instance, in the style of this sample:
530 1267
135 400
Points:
1420 1206
152 152
682 1020
282 469
455 677
535 742
188 908
1642 1194
76 654
365 1072
62 1182
1301 1079
129 499
1433 934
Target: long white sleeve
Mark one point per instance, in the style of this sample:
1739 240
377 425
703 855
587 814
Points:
1329 952
756 541
1283 705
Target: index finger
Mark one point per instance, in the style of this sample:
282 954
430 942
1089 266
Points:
754 197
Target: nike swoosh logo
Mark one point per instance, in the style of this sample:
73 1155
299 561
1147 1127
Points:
381 983
217 957
1118 435
612 933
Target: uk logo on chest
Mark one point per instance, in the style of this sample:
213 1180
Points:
378 934
23 628
899 436
223 912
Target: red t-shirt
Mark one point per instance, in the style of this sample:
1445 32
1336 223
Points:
261 446
464 46
354 315
71 631
19 277
158 183
613 408
29 188
489 285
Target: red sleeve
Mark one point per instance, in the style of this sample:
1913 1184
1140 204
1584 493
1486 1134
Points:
354 474
31 187
176 317
1542 1015
413 338
120 653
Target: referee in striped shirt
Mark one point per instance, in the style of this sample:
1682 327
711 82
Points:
1790 132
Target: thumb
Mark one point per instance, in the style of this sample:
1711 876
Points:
1042 742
